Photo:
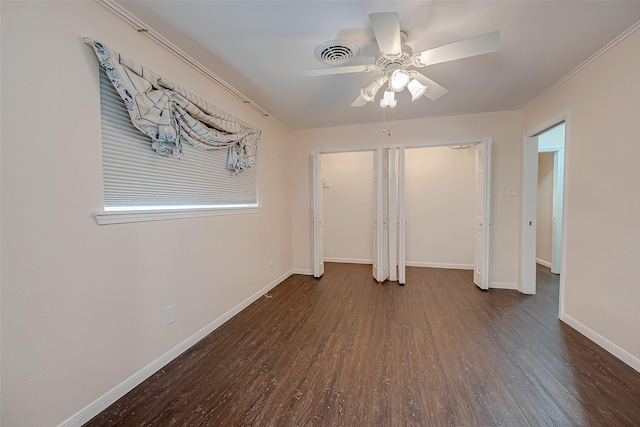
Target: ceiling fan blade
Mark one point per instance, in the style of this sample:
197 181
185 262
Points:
478 45
386 28
359 101
338 70
434 90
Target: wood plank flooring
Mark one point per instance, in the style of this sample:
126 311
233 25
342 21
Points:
346 351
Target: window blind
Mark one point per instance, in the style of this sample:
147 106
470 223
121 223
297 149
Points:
137 178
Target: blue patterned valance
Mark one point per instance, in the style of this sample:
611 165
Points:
170 115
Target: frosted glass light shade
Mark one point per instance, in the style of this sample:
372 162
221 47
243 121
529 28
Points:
389 99
398 80
370 91
416 88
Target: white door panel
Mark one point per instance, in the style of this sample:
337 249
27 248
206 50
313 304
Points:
376 216
401 217
384 206
318 226
381 215
393 214
483 217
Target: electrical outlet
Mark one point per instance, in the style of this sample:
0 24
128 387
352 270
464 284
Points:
170 315
512 191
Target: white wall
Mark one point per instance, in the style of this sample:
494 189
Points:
82 304
602 203
348 206
440 207
505 128
545 208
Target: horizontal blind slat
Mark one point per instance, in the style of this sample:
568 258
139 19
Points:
135 175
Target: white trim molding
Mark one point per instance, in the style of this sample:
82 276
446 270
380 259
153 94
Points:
303 271
588 61
103 402
144 29
503 285
618 352
349 260
543 262
439 265
120 217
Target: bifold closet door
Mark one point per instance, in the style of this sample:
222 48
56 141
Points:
381 215
318 230
483 186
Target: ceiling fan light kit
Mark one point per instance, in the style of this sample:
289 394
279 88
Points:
396 57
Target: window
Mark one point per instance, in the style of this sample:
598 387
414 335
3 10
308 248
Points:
142 185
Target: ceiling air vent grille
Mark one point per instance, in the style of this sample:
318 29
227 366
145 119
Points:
336 52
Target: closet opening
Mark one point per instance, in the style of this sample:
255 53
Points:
398 206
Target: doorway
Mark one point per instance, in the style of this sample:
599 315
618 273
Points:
388 214
543 191
345 179
440 207
347 186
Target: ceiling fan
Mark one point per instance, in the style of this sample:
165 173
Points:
396 60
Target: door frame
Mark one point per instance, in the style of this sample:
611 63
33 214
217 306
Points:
488 194
317 240
557 203
529 206
400 196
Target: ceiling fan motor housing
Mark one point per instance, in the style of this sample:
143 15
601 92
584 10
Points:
403 60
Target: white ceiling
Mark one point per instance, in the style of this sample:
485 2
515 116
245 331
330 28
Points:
262 48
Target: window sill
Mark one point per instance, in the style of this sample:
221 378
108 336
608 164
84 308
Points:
119 217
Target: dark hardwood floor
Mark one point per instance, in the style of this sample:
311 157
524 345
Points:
346 351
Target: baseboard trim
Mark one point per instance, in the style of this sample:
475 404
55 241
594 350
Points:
304 271
349 260
100 404
543 262
503 285
618 352
439 265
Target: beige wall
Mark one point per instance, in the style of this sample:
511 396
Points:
545 207
440 206
602 202
505 129
83 305
348 206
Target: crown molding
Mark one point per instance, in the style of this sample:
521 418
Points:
143 28
588 61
